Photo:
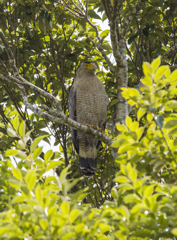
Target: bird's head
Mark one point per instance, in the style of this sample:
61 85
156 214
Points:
87 67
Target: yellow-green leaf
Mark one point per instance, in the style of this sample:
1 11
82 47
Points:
22 128
11 132
147 69
38 193
155 64
36 141
141 113
15 123
160 72
11 152
43 223
121 127
121 179
174 231
17 174
104 227
173 76
65 207
128 121
73 215
31 179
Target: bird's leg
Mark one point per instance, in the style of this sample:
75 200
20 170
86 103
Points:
99 129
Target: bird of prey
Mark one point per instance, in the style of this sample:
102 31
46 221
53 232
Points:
88 104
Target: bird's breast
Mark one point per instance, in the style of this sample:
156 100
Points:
91 101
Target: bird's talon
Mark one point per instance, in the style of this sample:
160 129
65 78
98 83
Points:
89 125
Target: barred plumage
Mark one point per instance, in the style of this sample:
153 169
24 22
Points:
88 103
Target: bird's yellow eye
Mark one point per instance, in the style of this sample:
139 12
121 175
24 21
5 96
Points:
86 65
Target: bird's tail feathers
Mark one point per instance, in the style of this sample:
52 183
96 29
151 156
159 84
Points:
88 166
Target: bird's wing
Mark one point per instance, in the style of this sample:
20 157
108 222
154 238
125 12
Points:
72 115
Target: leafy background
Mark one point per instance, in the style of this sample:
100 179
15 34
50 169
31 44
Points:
132 197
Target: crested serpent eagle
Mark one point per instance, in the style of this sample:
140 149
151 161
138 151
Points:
88 104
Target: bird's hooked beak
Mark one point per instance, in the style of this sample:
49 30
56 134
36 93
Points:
90 66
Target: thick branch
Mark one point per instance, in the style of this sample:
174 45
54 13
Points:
67 121
22 83
59 113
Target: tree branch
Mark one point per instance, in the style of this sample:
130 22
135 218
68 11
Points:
169 52
66 120
22 83
80 15
130 17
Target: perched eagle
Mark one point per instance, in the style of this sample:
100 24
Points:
88 103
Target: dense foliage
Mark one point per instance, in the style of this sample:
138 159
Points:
43 195
35 205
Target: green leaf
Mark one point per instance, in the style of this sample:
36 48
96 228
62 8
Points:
136 208
133 92
37 152
173 76
114 193
65 207
168 73
141 113
53 164
74 43
147 69
48 155
104 227
11 132
126 186
38 193
104 16
22 128
68 236
17 174
174 231
149 117
172 104
82 196
159 121
21 145
123 210
121 179
132 198
121 127
79 227
15 123
31 179
21 154
171 123
36 141
43 223
128 121
149 190
155 64
132 38
11 152
93 14
104 33
134 126
147 80
160 72
73 215
3 230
